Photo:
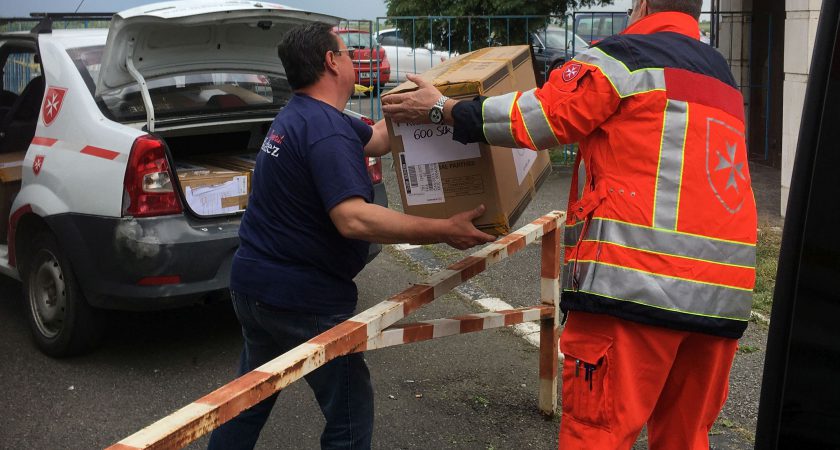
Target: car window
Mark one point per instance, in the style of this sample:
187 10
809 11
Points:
20 68
355 40
185 95
391 40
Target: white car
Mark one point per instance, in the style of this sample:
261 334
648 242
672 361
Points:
406 59
103 219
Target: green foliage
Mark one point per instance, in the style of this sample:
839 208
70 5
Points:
464 25
767 262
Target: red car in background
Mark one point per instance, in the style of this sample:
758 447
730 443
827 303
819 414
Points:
371 63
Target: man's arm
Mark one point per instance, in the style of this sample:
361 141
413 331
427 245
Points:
379 143
356 219
414 106
560 112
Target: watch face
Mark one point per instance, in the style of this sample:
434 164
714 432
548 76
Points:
435 115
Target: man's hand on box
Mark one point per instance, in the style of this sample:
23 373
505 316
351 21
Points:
463 234
414 106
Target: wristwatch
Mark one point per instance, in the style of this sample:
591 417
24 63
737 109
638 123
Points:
436 113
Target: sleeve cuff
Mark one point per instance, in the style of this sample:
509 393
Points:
469 124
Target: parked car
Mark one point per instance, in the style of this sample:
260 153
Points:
372 65
404 57
102 219
553 46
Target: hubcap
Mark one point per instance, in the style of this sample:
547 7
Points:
47 295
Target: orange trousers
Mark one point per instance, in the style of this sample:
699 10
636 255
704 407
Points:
620 375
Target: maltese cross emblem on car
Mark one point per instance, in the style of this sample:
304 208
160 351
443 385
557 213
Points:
52 104
571 72
38 164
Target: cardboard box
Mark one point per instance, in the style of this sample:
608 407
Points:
240 161
211 190
11 165
440 177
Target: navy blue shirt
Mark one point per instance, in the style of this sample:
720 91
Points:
291 255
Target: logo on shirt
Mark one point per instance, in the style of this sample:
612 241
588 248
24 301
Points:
571 71
726 164
271 143
52 104
276 138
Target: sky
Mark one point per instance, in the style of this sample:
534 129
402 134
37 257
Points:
349 9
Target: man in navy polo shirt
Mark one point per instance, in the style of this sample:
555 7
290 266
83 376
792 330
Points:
306 233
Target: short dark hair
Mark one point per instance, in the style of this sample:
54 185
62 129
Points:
303 52
690 7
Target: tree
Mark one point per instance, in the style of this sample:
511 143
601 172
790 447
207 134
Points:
464 25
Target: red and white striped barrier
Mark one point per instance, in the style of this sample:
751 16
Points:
370 330
432 329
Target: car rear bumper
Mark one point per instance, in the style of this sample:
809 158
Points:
154 263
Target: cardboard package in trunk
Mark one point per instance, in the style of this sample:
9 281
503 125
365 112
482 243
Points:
211 190
10 176
439 177
240 161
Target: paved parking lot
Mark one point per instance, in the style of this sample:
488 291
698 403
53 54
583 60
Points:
471 391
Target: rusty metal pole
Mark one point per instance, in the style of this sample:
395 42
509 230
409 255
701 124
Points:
550 327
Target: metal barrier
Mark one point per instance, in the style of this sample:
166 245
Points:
374 328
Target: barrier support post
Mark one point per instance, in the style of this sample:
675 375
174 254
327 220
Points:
550 327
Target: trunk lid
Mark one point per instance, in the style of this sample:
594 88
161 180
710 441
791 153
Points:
181 37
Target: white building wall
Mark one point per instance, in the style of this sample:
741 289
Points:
800 30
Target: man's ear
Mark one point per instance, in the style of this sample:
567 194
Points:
330 63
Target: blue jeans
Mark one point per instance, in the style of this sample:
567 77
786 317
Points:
341 386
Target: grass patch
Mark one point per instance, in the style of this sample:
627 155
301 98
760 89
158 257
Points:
563 155
747 349
767 261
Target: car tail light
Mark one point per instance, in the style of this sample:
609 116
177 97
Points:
148 181
374 165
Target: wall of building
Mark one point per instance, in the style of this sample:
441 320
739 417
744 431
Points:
801 19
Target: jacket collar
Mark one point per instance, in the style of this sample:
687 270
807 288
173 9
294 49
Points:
674 22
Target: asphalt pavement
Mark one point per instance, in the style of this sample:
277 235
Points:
474 391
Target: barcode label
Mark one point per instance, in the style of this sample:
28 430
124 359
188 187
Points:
412 176
422 183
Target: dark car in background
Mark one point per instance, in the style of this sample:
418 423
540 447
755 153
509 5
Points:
553 46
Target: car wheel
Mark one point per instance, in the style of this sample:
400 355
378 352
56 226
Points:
62 322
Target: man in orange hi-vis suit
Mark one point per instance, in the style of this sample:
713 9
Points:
660 238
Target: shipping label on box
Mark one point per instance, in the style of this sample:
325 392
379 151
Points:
422 183
431 143
215 199
210 190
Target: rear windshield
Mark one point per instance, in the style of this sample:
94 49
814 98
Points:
356 40
185 95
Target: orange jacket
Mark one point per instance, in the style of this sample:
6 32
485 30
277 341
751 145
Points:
662 220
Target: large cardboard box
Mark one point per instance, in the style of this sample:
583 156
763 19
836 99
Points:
10 176
240 161
211 190
439 177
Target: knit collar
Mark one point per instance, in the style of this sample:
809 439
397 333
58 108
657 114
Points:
674 22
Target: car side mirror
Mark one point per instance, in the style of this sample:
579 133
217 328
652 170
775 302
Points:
538 48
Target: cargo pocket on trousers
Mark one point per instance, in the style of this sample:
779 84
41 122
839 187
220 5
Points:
587 393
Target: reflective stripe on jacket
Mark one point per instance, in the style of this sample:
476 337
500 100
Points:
662 219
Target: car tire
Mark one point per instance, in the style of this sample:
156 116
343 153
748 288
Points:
61 320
